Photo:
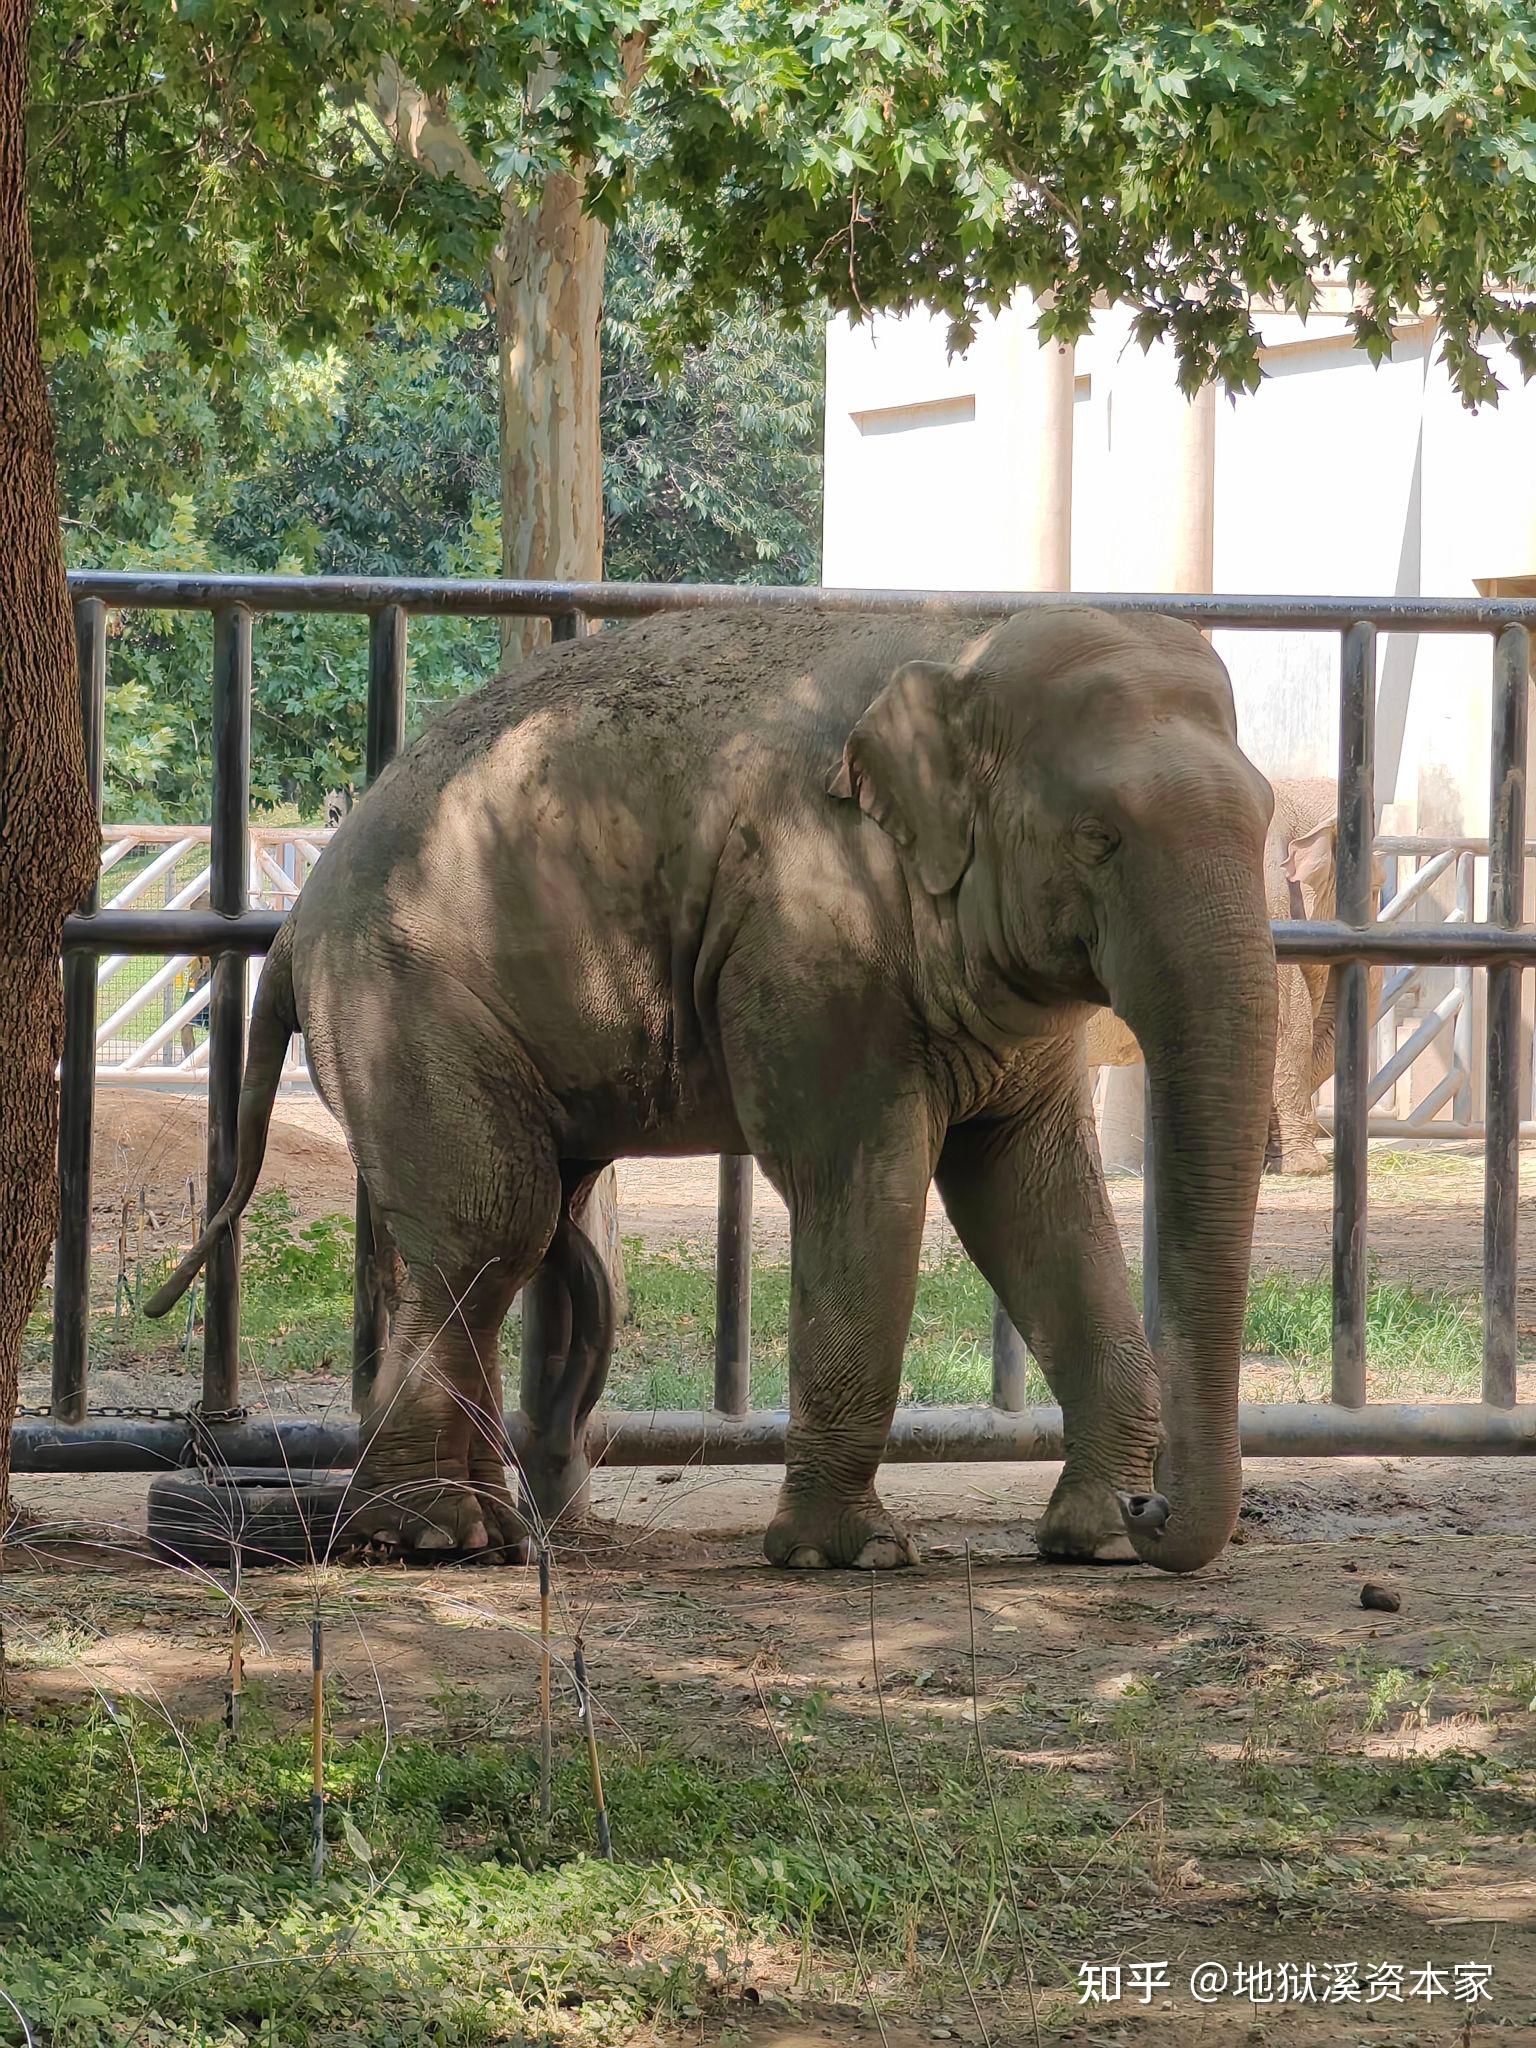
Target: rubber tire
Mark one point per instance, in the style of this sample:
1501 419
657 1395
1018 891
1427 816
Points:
271 1516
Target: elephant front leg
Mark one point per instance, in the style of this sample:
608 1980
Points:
856 1236
1027 1198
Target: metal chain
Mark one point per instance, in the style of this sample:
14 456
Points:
196 1417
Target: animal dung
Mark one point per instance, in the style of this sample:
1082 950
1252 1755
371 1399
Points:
1381 1598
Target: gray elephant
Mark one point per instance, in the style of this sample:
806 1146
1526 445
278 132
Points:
836 891
1300 881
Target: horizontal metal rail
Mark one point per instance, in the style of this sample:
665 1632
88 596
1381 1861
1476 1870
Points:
1472 945
699 1437
164 931
231 928
441 597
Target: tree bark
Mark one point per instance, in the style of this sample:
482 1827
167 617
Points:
547 284
49 842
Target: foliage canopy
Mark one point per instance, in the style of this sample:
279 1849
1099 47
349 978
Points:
380 458
1191 157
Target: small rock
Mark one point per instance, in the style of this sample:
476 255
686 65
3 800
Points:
668 1478
1381 1598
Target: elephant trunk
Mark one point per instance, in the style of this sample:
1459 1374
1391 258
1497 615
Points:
1206 1023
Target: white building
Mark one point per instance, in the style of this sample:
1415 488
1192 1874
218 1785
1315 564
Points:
1017 468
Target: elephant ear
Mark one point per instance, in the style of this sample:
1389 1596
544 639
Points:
1310 864
904 766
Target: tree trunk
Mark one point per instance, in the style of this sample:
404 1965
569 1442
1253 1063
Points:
547 284
49 843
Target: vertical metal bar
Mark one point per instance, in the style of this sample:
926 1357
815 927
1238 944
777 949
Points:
387 632
229 864
1506 895
541 1298
1151 1299
1461 1038
1010 1363
1351 1084
733 1287
77 1072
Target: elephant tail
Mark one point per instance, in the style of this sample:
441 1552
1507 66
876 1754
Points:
273 1022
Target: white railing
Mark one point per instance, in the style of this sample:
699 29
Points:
152 1031
1427 1078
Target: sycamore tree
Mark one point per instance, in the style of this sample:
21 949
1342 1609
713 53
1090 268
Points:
1196 161
380 458
1192 159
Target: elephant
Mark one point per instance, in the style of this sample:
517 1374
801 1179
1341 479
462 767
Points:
839 891
1300 881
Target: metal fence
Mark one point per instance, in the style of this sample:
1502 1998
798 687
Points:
230 930
154 1031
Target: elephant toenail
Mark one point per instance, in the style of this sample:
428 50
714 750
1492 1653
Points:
807 1558
434 1539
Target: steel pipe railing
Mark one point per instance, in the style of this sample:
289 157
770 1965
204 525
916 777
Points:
77 1076
387 630
230 931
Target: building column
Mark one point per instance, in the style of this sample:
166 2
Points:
1043 383
1163 470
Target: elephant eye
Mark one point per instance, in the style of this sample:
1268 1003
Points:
1093 840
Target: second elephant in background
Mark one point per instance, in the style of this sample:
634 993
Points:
1300 881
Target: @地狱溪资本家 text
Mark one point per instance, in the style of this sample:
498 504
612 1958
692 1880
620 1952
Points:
1138 1983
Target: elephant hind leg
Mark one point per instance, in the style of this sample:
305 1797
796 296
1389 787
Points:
1293 1122
471 1229
431 1476
568 1325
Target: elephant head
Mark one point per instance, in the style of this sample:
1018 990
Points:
1074 785
1302 852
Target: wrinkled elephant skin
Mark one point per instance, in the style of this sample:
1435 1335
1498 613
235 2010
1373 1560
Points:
1300 881
838 892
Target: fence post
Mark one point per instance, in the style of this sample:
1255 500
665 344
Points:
77 1070
541 1299
1506 893
387 633
1352 1046
733 1287
229 863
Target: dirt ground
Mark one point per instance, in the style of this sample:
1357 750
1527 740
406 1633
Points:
678 1613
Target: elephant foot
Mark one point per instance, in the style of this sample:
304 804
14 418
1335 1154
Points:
436 1516
1302 1159
1083 1523
813 1533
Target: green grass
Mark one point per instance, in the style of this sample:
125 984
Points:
296 1312
1426 1340
155 1882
